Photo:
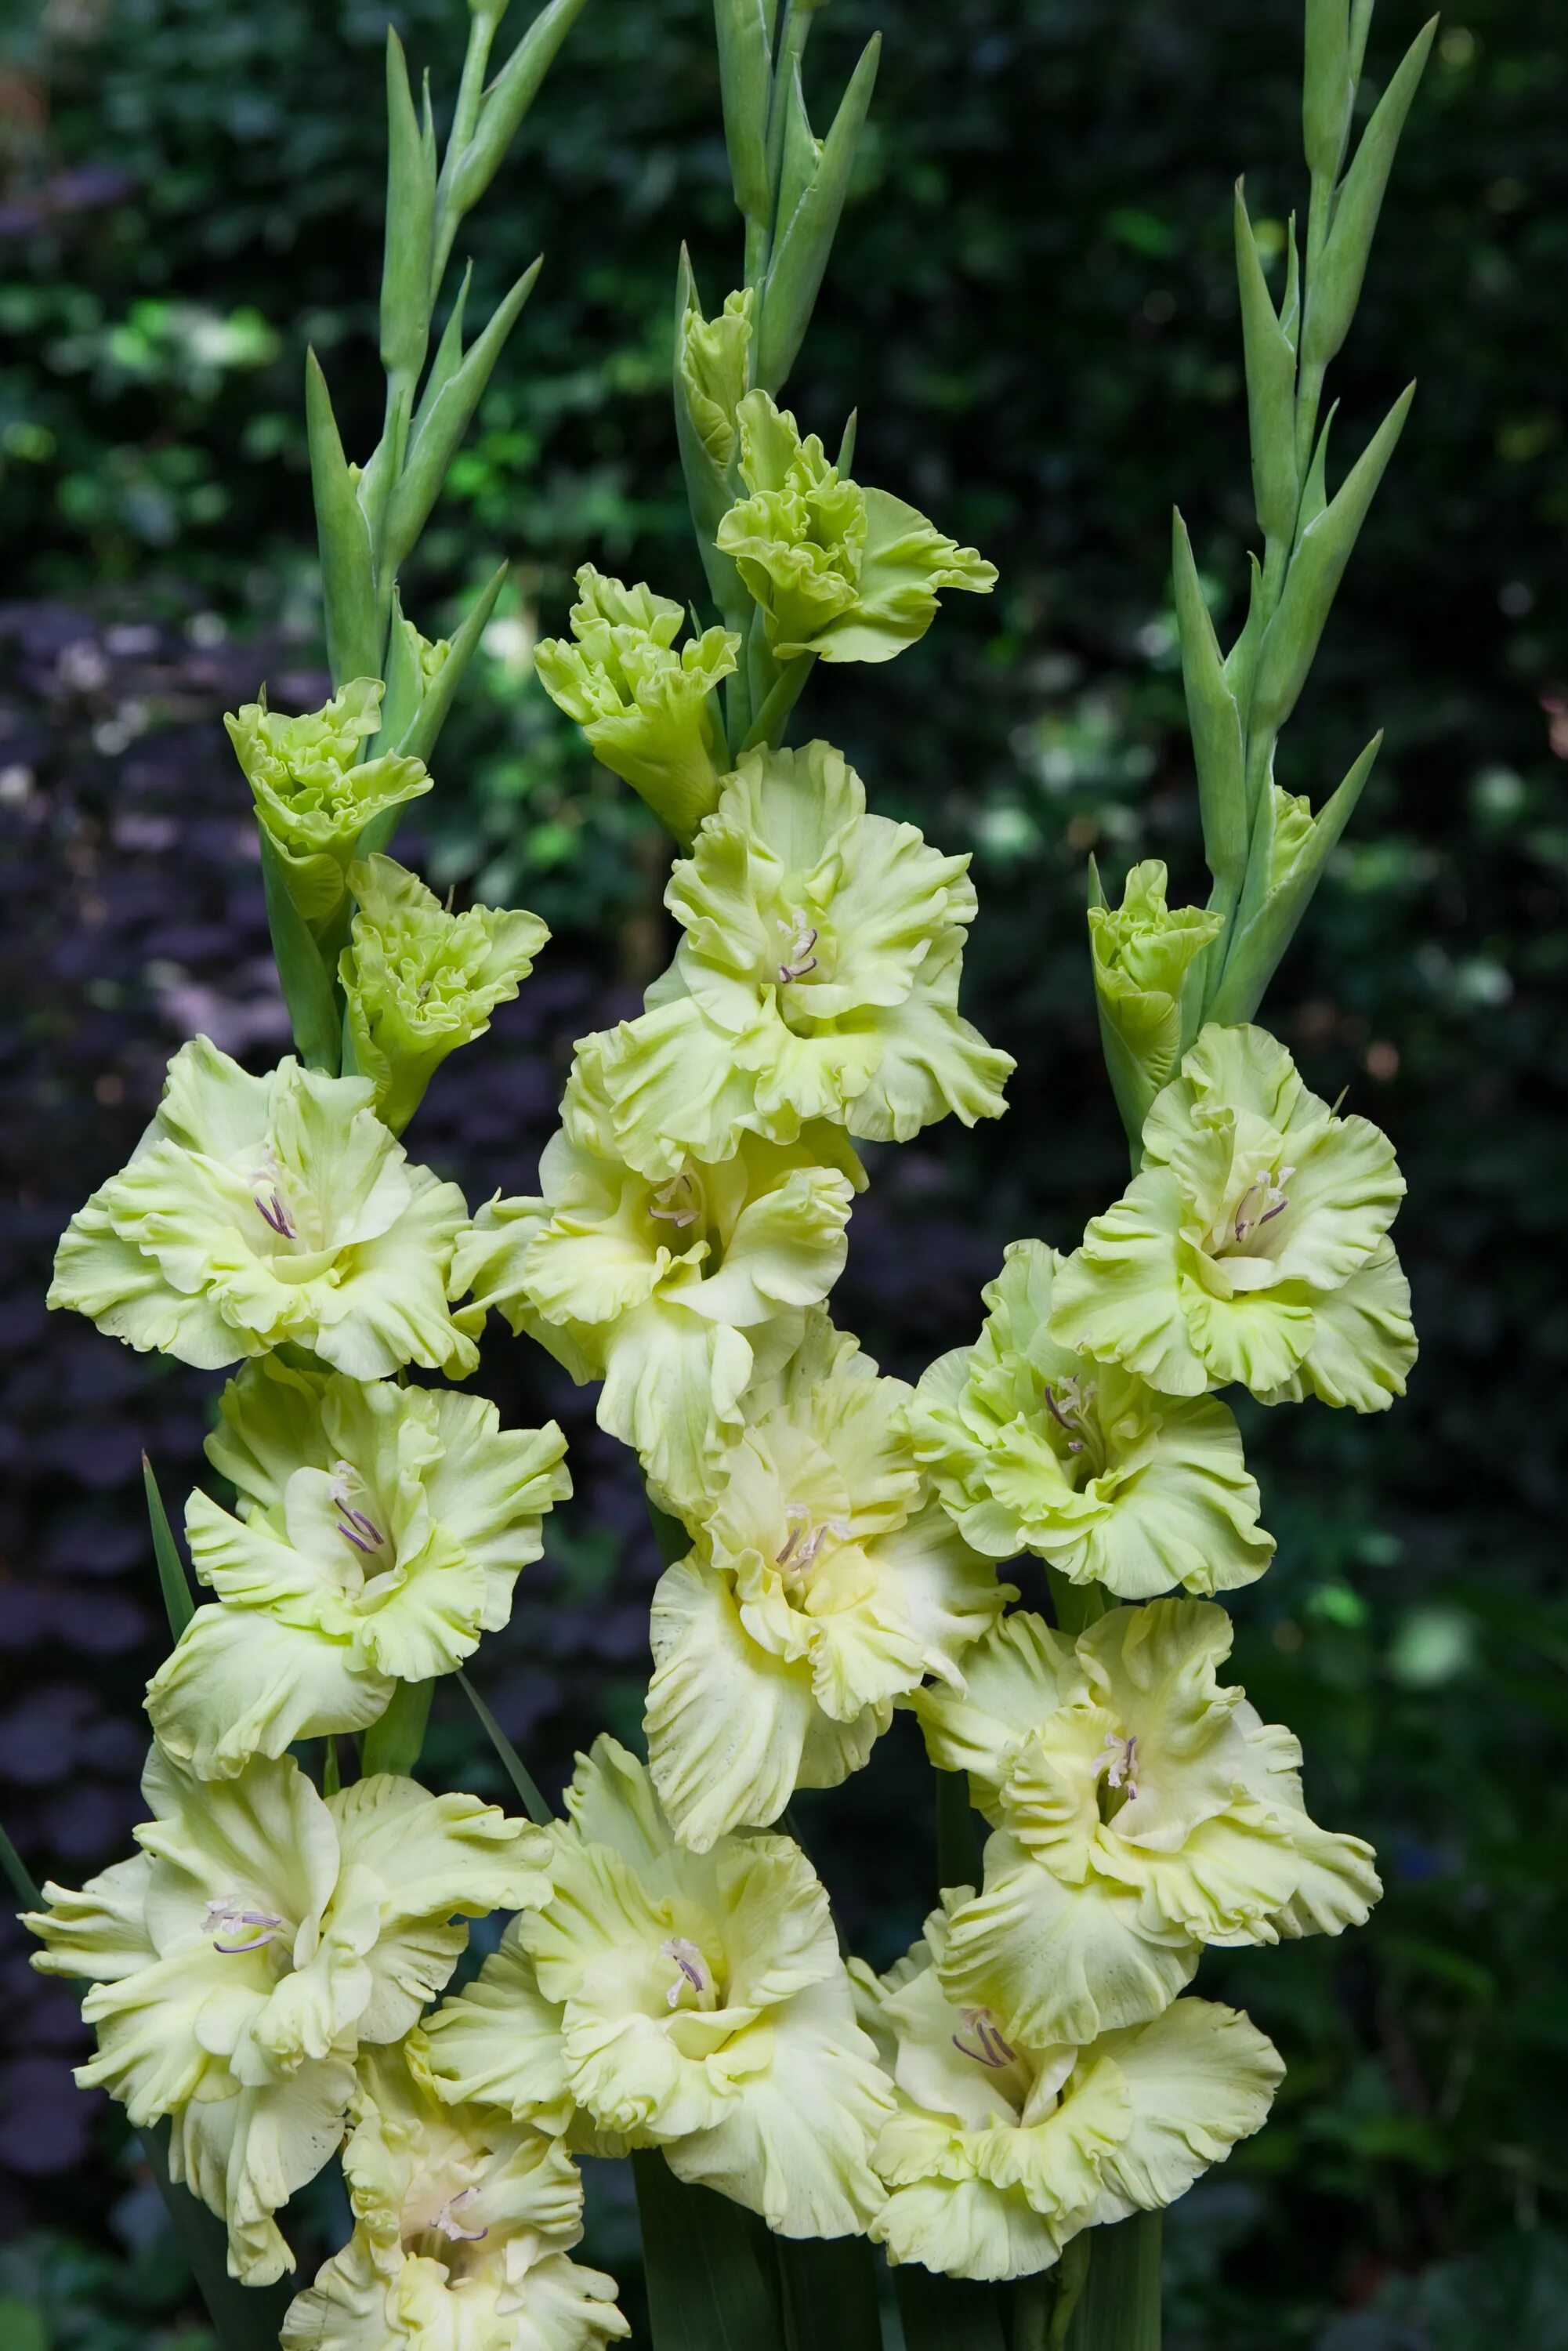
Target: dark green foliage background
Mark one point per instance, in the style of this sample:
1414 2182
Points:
1033 307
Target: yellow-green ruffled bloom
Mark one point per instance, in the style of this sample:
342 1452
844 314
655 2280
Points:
1003 2149
419 982
381 1530
675 1294
314 795
256 1211
259 1938
1144 955
1033 1447
695 2002
844 572
818 978
644 705
1141 1809
463 2225
1253 1246
823 1584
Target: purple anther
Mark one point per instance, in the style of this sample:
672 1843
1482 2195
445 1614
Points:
362 1531
446 2221
993 2052
278 1216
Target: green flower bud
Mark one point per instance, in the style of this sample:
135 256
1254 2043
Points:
711 366
643 707
1142 953
840 571
419 981
312 800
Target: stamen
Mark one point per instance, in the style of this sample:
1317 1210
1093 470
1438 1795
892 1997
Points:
446 2220
993 2052
278 1216
229 1914
354 1526
1120 1764
797 1556
1275 1199
667 1205
689 1961
802 939
796 1514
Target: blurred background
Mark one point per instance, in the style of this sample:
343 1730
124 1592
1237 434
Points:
1033 307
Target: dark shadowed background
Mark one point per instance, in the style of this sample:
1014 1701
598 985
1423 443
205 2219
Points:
1033 307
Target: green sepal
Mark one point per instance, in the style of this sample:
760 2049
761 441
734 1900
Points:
1218 742
1322 550
404 684
829 2293
1290 307
710 490
18 1876
745 32
441 426
845 460
448 355
1119 2303
178 1605
506 101
800 154
1315 489
1360 26
348 578
303 974
1270 362
410 231
396 1738
1328 87
1260 942
419 739
511 1762
713 2281
1336 287
800 255
943 2314
1242 659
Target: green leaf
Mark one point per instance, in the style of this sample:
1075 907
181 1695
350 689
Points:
1119 2307
943 2314
958 1860
1218 748
506 101
178 1605
829 2293
18 1876
1291 639
1270 362
745 32
512 1764
245 2317
713 2283
410 215
801 257
1259 943
1336 287
394 1741
434 442
302 973
348 580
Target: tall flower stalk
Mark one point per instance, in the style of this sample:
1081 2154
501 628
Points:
1007 2111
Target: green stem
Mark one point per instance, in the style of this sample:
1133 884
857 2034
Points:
768 725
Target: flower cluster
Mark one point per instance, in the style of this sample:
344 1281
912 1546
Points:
671 1982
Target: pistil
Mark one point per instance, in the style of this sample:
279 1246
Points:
674 1203
264 1926
447 2222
